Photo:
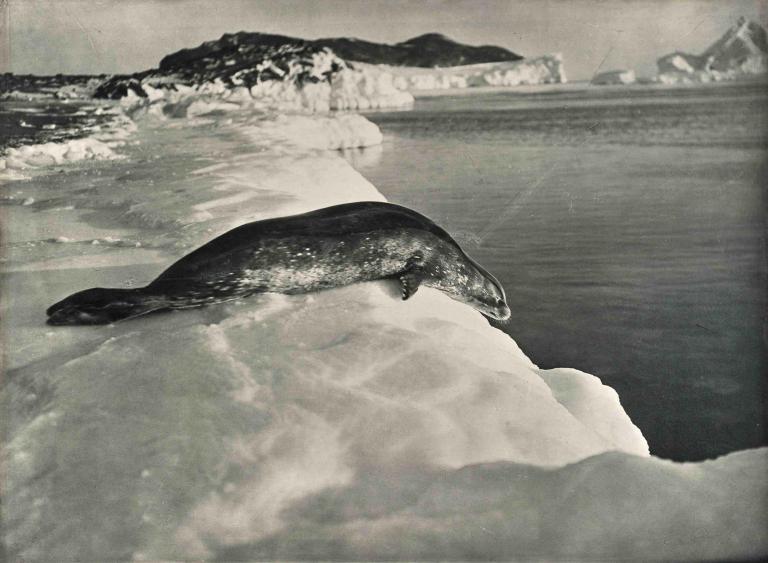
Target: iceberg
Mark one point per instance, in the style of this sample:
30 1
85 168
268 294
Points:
612 77
741 53
345 425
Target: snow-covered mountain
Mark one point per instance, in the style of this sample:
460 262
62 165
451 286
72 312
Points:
428 51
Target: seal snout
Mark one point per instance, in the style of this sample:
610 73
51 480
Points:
503 311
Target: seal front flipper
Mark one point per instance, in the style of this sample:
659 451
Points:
410 278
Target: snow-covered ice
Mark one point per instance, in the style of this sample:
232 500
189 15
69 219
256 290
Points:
547 69
345 424
96 147
48 154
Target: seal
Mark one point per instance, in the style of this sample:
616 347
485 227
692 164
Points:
322 249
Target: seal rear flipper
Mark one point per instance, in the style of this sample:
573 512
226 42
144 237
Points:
410 278
97 306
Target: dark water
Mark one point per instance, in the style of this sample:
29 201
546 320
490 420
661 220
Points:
36 121
628 229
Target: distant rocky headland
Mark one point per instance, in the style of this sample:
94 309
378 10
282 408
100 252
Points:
56 85
333 73
360 73
428 51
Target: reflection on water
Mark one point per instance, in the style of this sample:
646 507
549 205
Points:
627 227
367 157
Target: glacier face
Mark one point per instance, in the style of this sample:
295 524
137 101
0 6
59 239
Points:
345 424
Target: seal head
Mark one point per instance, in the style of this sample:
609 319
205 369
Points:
487 295
452 271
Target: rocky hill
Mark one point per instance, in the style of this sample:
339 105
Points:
427 51
240 59
742 52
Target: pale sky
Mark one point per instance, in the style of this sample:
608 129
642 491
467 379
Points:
111 36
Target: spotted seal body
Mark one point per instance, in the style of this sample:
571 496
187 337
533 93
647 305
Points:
327 248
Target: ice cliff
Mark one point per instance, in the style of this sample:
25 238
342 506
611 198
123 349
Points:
740 53
547 69
286 76
346 424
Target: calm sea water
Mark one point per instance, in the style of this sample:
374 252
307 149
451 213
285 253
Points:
627 226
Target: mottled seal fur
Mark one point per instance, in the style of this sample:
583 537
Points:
327 248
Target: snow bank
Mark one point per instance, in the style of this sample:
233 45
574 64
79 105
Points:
325 133
610 507
301 394
346 424
351 425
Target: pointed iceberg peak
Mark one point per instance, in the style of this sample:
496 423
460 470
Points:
740 53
